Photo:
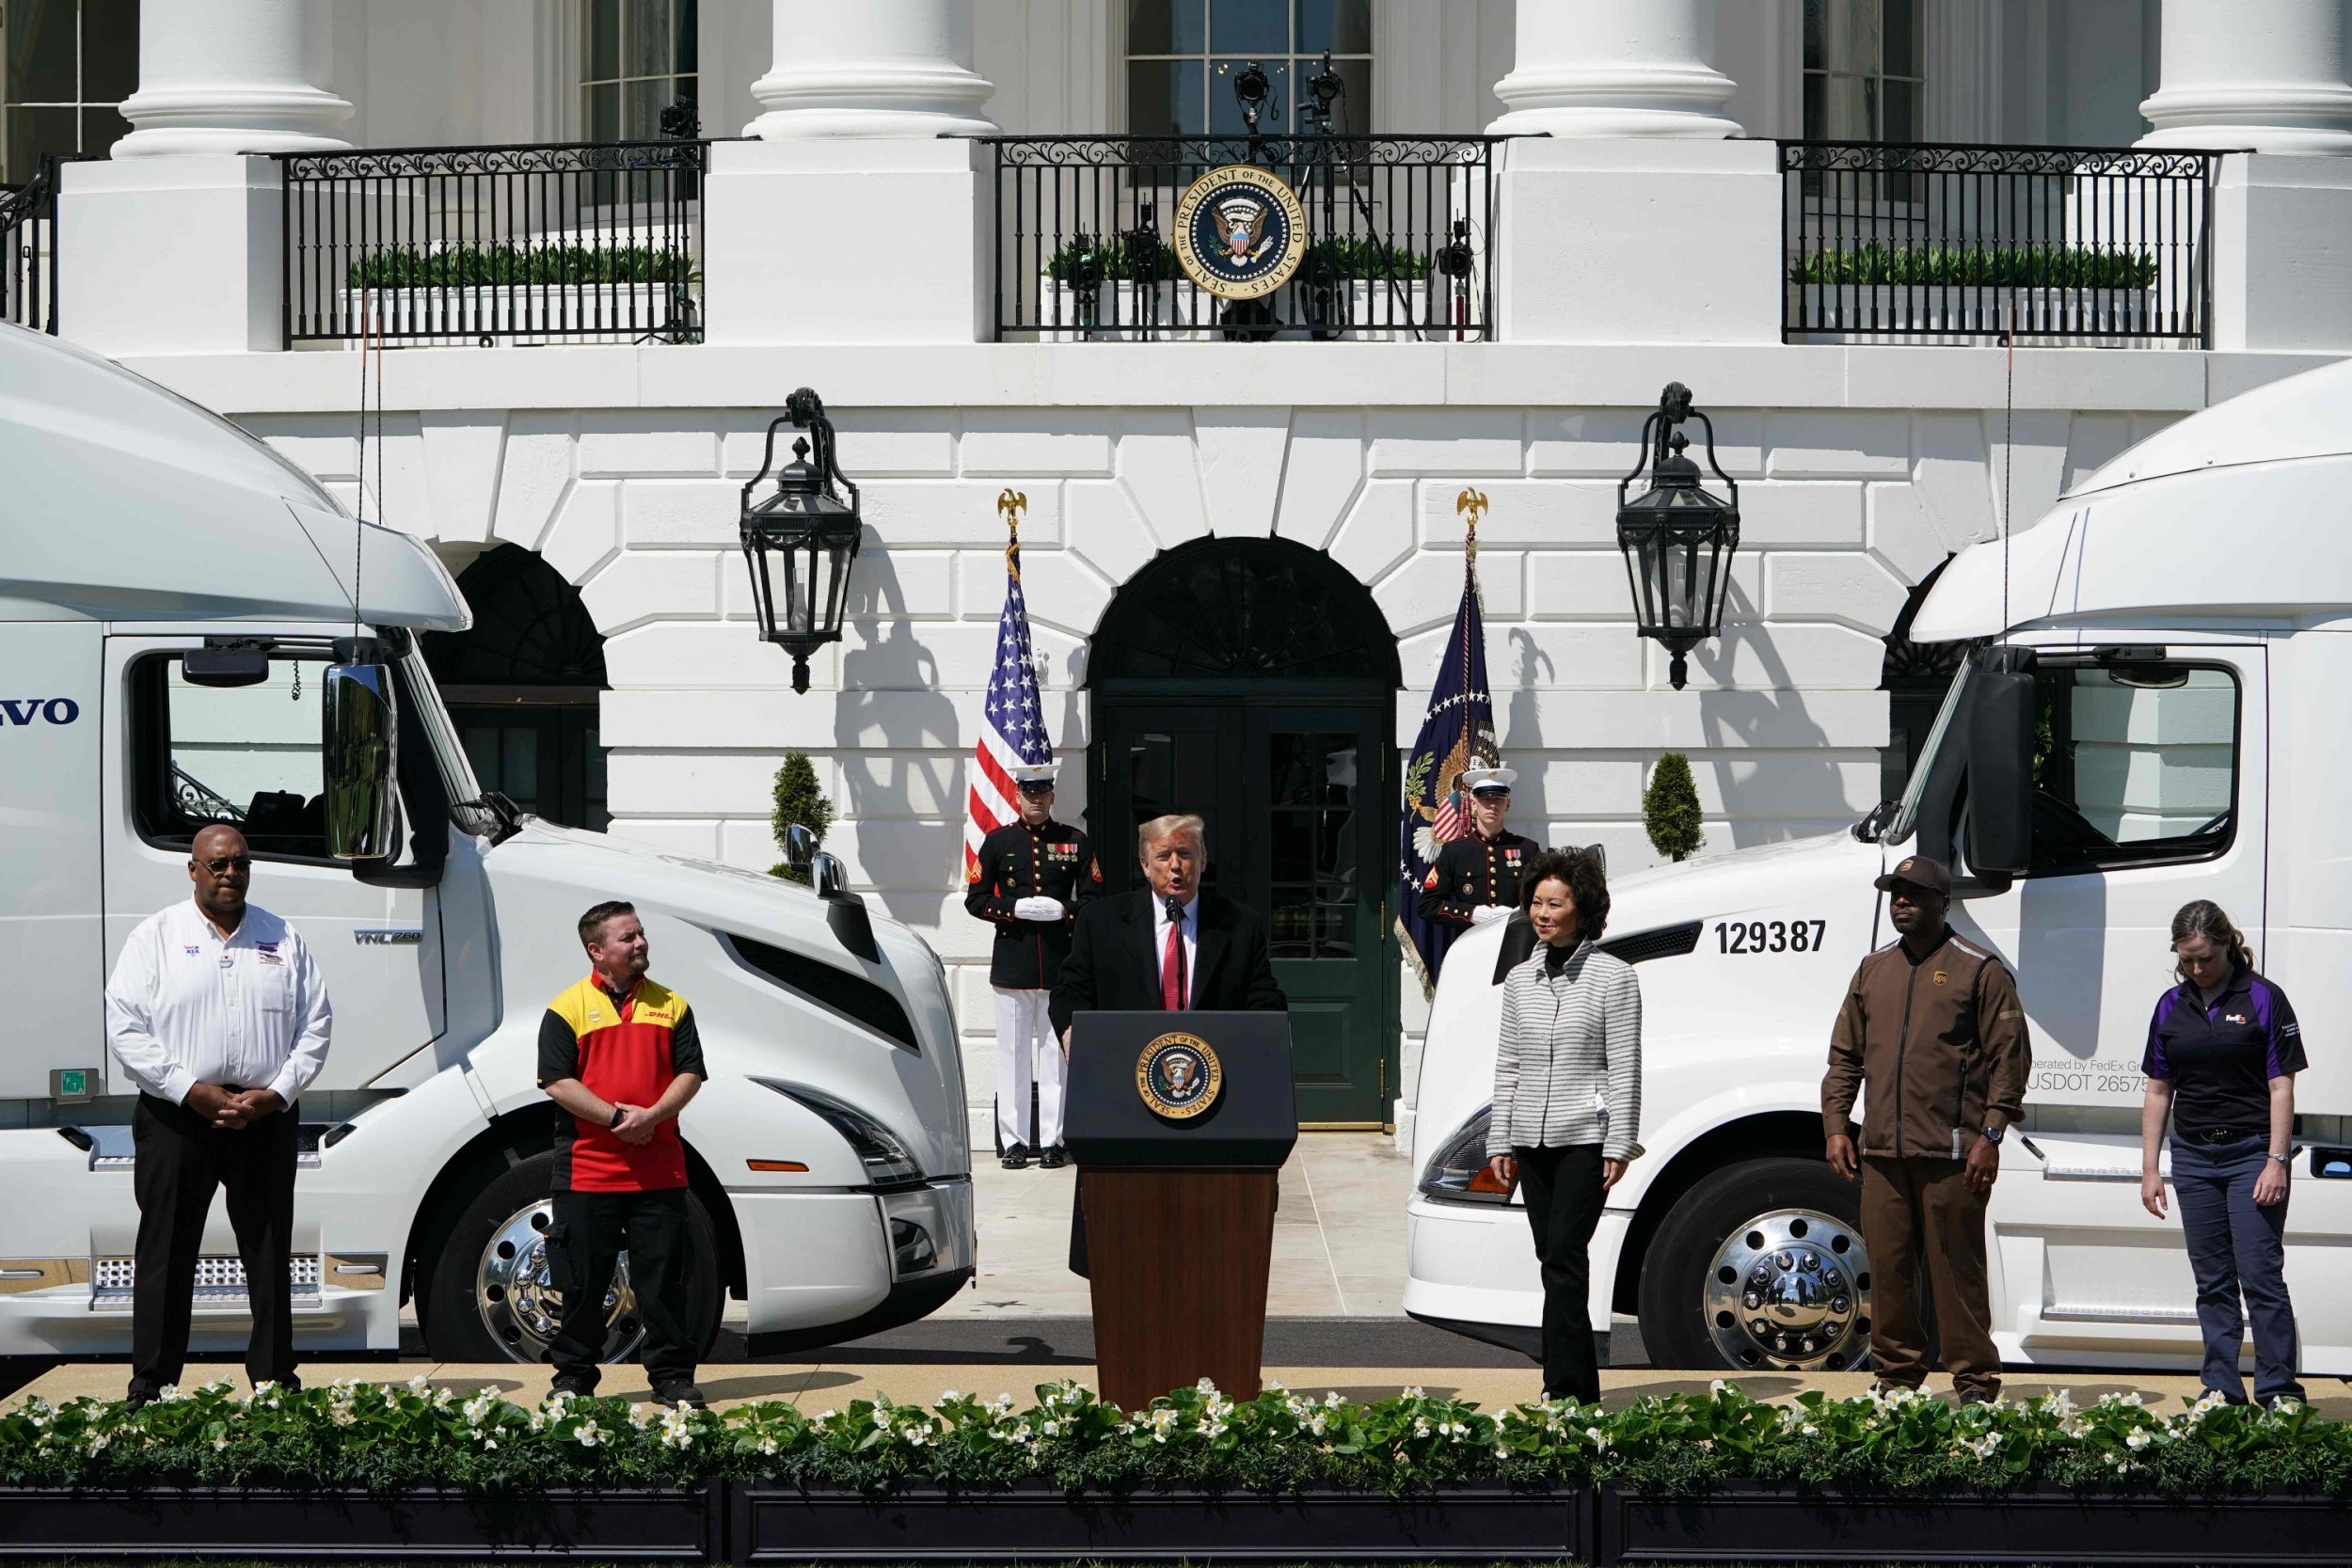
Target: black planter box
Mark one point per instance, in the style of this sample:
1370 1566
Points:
2044 1525
607 1526
783 1523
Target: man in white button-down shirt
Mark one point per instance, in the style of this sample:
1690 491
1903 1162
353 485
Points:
218 1014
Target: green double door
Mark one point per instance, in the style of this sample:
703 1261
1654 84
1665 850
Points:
1301 829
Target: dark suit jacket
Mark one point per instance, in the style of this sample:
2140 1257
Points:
1113 967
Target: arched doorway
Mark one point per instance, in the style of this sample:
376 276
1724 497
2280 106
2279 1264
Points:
1254 681
522 686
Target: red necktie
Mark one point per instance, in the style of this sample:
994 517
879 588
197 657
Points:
1172 963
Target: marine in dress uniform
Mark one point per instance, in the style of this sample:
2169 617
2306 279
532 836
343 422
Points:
1476 877
1028 880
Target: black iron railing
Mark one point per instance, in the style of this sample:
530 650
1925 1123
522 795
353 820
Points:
578 243
2055 243
1397 238
28 250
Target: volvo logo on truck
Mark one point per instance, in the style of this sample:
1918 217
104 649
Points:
26 710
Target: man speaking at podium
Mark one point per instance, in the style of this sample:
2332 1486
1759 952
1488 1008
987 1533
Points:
1167 947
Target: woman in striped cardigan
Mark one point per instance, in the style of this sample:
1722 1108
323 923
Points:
1568 1096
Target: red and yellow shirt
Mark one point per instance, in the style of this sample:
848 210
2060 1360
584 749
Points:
626 1052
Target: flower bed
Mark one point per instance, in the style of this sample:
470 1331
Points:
1687 1476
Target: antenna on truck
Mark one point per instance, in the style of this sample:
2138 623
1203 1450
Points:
359 508
2009 441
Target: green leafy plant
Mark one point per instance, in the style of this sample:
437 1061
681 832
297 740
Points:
474 266
388 1439
2003 266
798 801
1670 808
1146 259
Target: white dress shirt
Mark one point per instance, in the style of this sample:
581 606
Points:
186 1005
1191 940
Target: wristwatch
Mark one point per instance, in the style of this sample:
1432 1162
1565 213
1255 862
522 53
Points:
1994 1135
618 1112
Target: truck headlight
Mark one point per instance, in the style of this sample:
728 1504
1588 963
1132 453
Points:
887 1160
1457 1173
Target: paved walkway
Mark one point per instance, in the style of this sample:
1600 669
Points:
827 1385
1339 1236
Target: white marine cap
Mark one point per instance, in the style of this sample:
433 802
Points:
1034 772
1497 777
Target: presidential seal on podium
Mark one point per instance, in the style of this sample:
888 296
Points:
1240 231
1179 1076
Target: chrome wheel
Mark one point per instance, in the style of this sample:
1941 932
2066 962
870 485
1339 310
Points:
1791 1291
519 1304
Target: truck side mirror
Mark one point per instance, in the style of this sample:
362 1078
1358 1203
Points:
2000 771
800 848
361 740
831 880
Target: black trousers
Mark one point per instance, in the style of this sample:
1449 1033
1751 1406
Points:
182 1158
584 1245
1563 1197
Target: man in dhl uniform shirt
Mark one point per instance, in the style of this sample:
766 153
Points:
622 1054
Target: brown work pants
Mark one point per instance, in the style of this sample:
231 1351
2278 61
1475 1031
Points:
1917 1215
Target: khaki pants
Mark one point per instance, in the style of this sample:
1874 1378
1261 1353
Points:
1919 1214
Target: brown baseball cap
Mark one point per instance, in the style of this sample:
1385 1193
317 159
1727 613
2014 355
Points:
1920 872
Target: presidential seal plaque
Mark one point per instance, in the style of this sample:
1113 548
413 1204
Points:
1240 231
1179 1076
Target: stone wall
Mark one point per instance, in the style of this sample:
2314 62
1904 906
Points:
1845 508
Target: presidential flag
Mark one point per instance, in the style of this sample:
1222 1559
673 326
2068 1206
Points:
1458 733
1012 727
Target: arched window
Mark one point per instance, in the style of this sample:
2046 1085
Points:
522 686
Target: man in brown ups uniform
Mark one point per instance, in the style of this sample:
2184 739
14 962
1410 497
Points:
1933 1027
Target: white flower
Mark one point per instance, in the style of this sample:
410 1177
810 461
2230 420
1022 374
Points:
171 1391
220 1442
1809 1430
1716 1385
950 1394
489 1442
589 1434
767 1445
419 1384
1331 1401
1205 1386
1414 1392
2137 1440
99 1440
1052 1429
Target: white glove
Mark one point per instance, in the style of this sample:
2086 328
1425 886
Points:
1485 913
1037 907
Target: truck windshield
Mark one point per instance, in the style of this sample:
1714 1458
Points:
1915 789
474 814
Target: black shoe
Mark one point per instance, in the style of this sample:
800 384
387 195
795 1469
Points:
137 1402
1056 1158
1016 1158
683 1394
583 1388
1978 1396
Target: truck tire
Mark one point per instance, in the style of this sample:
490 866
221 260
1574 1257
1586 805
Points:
490 1298
1761 1267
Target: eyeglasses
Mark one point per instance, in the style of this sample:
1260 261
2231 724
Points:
224 864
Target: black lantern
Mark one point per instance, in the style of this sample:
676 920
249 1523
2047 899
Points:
1677 539
799 541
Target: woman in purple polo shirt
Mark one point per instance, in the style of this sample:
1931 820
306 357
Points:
2223 1050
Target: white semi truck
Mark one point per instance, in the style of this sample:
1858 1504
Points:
185 637
2154 705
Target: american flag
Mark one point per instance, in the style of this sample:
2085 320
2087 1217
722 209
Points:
1013 732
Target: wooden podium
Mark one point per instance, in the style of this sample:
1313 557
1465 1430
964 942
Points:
1178 1123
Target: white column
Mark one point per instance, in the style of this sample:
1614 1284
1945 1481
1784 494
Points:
231 76
2266 77
1615 68
871 68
